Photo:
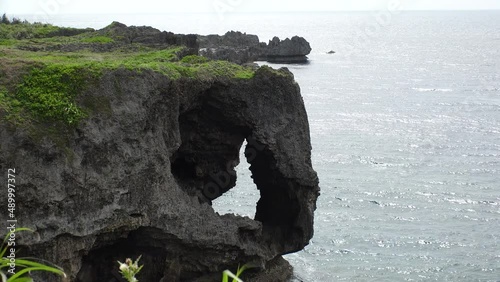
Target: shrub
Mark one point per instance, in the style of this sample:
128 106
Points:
16 21
194 59
5 19
49 93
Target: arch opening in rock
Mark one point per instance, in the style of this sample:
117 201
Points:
204 163
242 199
212 134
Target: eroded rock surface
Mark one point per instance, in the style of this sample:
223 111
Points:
137 177
288 51
243 48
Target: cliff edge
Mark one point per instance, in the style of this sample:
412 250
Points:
119 149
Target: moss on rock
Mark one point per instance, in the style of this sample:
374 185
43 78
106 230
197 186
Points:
49 92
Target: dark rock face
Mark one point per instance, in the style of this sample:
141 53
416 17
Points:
242 48
288 50
230 39
138 179
234 47
147 35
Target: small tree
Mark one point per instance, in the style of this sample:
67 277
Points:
5 19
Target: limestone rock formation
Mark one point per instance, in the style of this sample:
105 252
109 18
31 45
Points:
242 48
288 50
148 35
234 46
137 176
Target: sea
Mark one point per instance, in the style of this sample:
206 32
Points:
405 131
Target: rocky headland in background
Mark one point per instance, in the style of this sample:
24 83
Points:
243 48
234 46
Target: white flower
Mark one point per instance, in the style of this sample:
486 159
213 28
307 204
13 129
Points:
123 267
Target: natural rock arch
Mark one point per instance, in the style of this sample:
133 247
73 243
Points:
135 181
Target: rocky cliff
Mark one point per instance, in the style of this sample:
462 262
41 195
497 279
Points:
120 155
242 48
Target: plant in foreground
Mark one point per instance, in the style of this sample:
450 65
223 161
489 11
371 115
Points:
226 274
129 269
26 265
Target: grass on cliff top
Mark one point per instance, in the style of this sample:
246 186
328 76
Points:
162 61
43 86
51 81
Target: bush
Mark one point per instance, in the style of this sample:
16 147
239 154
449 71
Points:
49 93
16 21
194 59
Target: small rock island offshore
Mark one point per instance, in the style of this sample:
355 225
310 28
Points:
122 137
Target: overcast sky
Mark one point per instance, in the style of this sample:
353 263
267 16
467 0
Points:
149 6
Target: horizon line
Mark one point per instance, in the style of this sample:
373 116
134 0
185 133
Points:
264 12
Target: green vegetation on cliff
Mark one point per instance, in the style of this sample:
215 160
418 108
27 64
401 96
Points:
44 68
49 92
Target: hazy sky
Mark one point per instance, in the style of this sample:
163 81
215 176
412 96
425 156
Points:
148 6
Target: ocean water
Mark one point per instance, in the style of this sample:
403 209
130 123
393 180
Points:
405 128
